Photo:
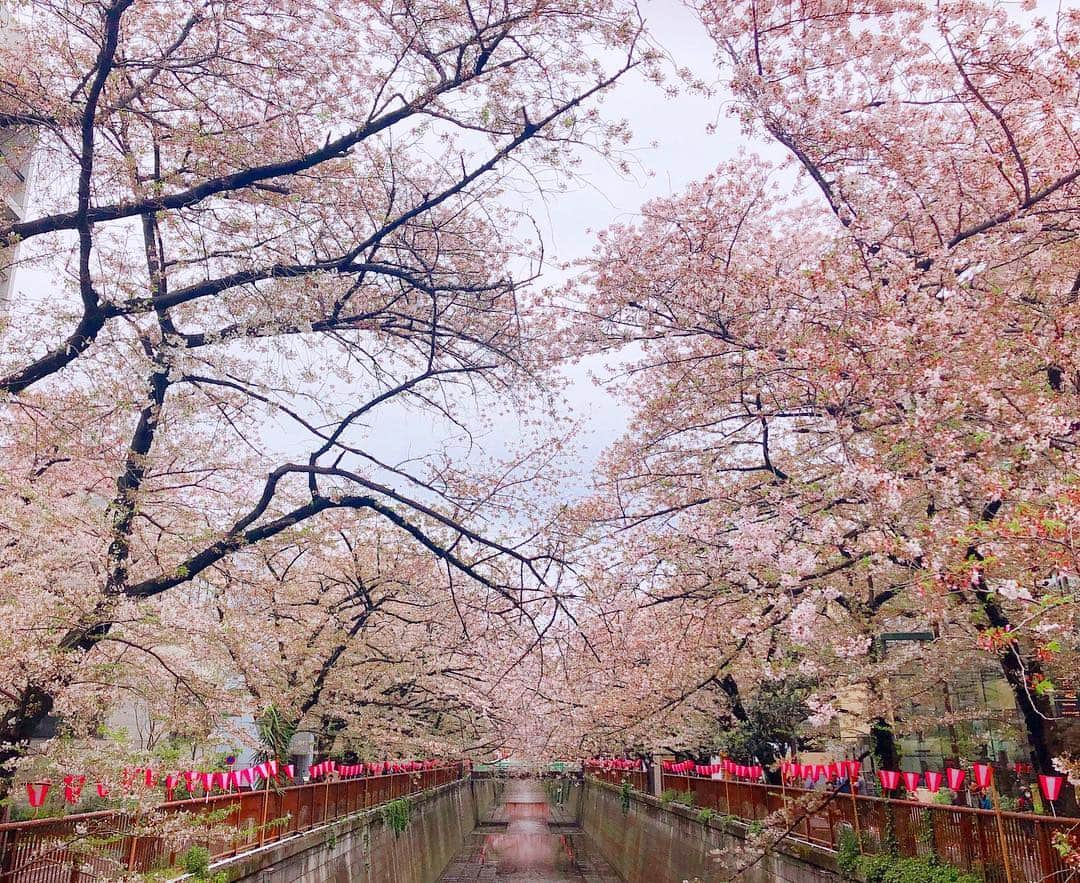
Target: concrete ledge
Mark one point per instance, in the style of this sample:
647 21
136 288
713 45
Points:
360 848
651 842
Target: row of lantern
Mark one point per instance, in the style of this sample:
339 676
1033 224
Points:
834 769
324 768
216 780
615 763
982 773
192 780
686 767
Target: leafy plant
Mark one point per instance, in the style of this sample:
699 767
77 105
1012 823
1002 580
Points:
848 853
196 861
706 815
685 798
755 827
396 815
886 868
667 796
275 734
624 797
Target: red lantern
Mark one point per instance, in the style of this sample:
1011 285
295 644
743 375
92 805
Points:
984 774
102 790
911 781
819 771
955 778
36 792
833 770
933 781
851 769
191 779
290 771
73 786
148 777
1051 786
890 779
171 781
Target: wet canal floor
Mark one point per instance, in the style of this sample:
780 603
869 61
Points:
527 840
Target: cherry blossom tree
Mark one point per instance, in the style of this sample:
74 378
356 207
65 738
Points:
854 380
271 225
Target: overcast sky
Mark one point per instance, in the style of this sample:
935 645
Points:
672 148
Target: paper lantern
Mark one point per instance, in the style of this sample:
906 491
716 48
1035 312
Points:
207 780
819 771
246 776
955 778
1051 786
890 779
984 774
911 781
191 779
933 781
171 781
219 780
850 769
290 771
36 792
833 770
73 786
148 777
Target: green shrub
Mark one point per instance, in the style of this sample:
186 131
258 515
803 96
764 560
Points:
196 861
686 798
705 816
886 868
755 827
396 815
624 797
667 796
848 853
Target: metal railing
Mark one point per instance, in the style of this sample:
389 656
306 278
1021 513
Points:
84 847
638 779
970 839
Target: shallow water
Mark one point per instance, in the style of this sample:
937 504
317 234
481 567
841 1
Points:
539 844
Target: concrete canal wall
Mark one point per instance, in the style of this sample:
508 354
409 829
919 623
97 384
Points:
650 843
363 849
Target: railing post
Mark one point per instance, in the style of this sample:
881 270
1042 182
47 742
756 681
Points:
7 868
265 807
1001 834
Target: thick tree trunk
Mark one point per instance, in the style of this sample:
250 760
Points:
16 728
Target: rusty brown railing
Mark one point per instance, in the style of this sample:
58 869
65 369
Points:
84 847
970 839
638 779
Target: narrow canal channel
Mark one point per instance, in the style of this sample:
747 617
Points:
529 839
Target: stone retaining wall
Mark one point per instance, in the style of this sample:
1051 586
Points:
363 849
651 843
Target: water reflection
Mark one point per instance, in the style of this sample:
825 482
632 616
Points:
527 851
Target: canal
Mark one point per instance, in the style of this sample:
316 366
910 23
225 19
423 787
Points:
530 836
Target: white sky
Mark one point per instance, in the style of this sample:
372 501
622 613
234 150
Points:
671 148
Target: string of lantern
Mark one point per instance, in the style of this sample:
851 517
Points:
221 781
